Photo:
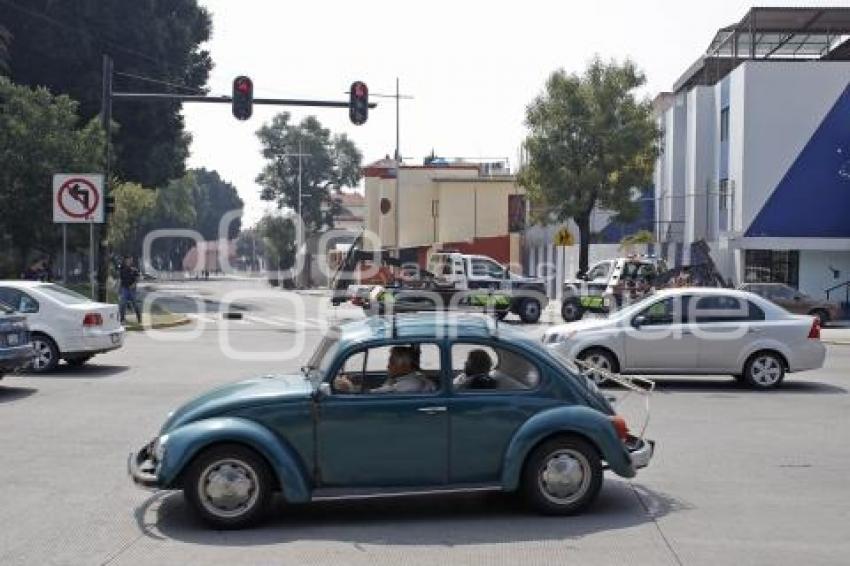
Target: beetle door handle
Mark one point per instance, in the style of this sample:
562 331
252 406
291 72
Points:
432 410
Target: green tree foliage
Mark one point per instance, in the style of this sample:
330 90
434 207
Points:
5 40
638 238
60 44
214 197
134 207
334 161
278 234
590 142
250 246
40 135
174 209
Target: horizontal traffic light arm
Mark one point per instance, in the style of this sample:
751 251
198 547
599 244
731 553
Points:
229 99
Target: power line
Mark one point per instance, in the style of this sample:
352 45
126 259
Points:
160 81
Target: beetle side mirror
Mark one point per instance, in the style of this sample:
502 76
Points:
324 390
638 321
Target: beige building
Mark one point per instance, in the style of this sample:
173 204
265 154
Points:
476 208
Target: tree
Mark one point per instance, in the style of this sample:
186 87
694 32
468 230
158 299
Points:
333 161
5 40
60 44
134 207
638 238
278 234
40 135
174 209
214 197
590 142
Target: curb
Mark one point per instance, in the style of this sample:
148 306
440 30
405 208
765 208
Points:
157 325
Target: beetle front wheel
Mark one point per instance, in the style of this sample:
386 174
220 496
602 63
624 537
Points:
562 476
229 486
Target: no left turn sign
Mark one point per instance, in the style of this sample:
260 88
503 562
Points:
78 198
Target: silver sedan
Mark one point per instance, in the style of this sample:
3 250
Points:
696 331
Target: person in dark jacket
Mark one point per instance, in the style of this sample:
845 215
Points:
128 276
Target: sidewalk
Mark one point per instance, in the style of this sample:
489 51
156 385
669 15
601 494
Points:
835 336
155 321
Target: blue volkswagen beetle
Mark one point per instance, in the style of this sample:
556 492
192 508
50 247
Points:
410 404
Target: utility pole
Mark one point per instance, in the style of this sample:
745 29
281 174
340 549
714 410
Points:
398 97
100 254
301 233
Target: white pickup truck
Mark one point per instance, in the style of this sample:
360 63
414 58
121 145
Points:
471 272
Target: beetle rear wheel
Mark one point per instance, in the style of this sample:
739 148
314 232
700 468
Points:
562 476
229 486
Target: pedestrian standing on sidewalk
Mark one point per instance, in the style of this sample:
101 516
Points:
128 277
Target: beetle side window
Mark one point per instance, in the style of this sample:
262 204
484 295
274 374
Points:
391 369
478 368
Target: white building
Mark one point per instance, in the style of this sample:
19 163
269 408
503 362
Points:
756 151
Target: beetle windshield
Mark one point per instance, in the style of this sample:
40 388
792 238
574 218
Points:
322 358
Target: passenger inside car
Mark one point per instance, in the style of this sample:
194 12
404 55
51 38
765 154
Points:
476 372
510 371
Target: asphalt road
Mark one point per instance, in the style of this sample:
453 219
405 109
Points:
739 477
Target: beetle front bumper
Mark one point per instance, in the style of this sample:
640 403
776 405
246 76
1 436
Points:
640 451
142 468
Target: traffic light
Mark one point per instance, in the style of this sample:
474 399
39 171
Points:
358 103
243 97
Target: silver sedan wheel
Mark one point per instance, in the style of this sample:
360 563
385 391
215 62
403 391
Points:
564 477
766 371
228 488
600 361
44 355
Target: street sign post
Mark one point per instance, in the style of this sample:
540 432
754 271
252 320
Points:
564 238
78 199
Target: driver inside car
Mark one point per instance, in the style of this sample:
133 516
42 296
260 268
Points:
403 375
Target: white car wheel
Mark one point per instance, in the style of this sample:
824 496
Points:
764 370
597 359
46 354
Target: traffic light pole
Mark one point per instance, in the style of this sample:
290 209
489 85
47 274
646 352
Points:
144 96
108 95
102 255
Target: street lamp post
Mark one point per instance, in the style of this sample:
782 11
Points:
300 155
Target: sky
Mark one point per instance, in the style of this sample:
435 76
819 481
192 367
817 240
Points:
471 67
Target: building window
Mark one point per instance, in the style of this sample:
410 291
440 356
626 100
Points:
724 124
772 266
723 197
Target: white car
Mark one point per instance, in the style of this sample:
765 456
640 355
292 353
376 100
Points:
696 331
63 324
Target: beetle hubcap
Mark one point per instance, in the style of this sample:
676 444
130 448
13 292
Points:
43 355
228 488
564 477
531 309
569 312
766 370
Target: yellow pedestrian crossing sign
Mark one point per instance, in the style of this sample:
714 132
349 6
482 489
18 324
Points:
564 238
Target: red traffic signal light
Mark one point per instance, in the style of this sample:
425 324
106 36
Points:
358 103
243 98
